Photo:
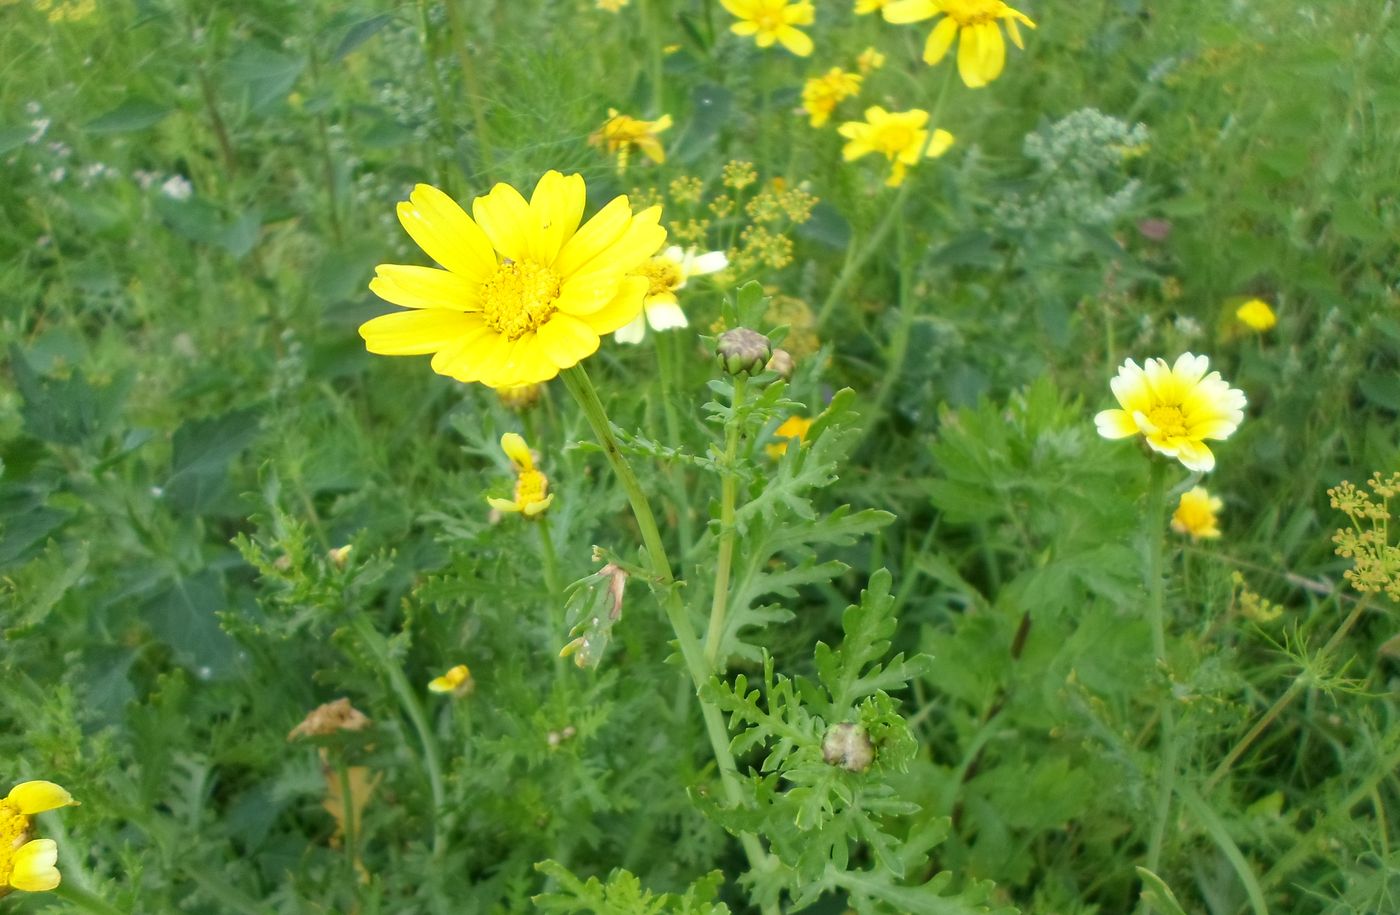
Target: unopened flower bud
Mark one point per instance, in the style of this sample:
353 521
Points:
742 351
848 745
782 363
340 555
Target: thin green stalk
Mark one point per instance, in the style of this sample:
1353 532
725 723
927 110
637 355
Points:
441 100
895 212
1282 702
669 366
379 648
1156 521
581 387
719 605
347 813
471 83
82 899
655 45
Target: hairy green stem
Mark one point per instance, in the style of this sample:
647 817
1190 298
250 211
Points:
1155 520
581 387
719 605
379 648
1282 702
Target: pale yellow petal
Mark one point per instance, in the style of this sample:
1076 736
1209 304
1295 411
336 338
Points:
940 40
941 142
1115 424
34 867
901 12
970 58
513 444
633 333
795 40
993 51
39 796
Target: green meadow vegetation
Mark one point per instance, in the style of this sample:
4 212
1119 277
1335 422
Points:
881 623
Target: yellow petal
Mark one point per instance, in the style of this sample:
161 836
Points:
940 40
505 217
34 870
606 227
1115 424
414 333
500 505
970 58
642 238
940 143
451 359
557 205
634 332
901 12
567 339
993 51
519 453
744 27
424 287
39 796
795 41
534 508
622 309
446 233
799 14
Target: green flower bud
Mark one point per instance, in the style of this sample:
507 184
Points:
742 351
848 745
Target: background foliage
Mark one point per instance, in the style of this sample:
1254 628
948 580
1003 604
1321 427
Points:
196 195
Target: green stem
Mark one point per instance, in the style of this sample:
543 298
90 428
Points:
581 387
719 605
471 83
655 46
1156 521
895 211
379 647
669 366
441 100
1297 686
88 902
347 812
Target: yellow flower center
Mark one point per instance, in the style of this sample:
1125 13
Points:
14 832
769 20
895 139
664 274
973 12
531 487
1168 419
518 298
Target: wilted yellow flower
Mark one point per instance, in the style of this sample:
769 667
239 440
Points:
981 50
1175 408
457 681
526 291
899 136
1256 315
870 59
1196 514
29 864
668 272
532 494
821 94
794 428
773 20
620 134
870 6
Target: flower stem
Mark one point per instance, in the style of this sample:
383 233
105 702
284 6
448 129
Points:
895 211
379 648
1154 542
581 387
1282 702
719 605
85 900
471 83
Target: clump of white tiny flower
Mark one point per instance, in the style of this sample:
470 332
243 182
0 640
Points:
1079 178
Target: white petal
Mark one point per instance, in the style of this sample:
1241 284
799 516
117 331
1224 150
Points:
665 316
635 332
709 262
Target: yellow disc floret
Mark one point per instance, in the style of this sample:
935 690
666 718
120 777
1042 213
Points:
518 298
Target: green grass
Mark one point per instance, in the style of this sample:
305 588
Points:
190 422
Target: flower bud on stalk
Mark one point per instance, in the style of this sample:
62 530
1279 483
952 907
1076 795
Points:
743 352
848 746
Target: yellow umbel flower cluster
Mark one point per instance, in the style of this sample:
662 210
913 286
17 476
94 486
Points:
25 863
525 290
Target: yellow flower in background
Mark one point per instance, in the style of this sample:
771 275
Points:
1256 315
794 428
457 681
821 94
620 134
899 136
667 273
66 10
29 864
870 6
612 6
870 59
974 23
1196 514
532 494
1175 408
772 21
526 290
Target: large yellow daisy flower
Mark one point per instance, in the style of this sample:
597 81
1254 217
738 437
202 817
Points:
981 50
772 21
1175 408
28 864
525 291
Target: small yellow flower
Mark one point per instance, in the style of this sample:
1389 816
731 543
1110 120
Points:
29 864
66 10
532 494
870 59
1196 514
981 50
870 6
620 134
1256 315
772 21
612 6
899 136
1175 408
457 681
794 428
667 273
821 94
526 291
